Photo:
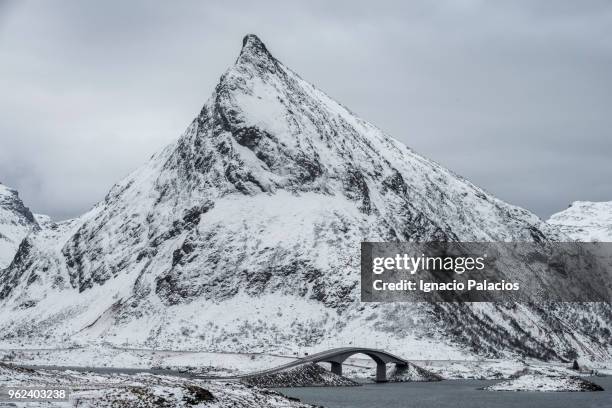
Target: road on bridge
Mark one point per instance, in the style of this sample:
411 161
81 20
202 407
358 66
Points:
334 356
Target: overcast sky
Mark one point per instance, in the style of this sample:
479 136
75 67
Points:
516 96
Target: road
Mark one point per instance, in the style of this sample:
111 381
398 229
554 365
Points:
313 358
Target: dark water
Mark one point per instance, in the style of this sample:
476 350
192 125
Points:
451 394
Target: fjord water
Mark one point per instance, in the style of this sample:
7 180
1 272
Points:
450 393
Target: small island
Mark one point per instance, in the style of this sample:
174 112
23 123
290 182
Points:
530 380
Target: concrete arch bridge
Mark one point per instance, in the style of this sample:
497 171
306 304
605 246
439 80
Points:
337 356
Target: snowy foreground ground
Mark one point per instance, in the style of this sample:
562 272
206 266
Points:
142 390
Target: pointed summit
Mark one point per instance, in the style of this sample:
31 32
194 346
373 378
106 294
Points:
253 42
254 52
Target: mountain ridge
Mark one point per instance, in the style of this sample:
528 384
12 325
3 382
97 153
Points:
585 221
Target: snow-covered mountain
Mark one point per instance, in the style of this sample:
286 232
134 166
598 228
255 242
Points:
585 221
244 235
16 221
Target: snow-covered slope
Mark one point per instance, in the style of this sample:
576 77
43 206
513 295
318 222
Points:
244 235
585 221
16 221
142 390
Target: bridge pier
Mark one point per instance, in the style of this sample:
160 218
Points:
381 372
337 356
336 368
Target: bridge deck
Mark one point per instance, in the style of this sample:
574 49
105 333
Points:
332 356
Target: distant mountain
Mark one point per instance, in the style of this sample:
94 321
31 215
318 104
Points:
16 221
586 221
244 235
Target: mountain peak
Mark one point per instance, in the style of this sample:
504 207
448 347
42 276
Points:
254 52
252 41
16 222
263 199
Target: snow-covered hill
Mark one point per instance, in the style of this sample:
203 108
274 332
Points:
244 235
16 221
585 221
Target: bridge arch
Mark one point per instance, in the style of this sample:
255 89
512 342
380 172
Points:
337 356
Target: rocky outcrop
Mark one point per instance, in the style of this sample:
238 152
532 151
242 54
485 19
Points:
16 222
308 375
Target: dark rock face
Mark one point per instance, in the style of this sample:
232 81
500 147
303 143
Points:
16 222
21 263
254 216
10 201
197 395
